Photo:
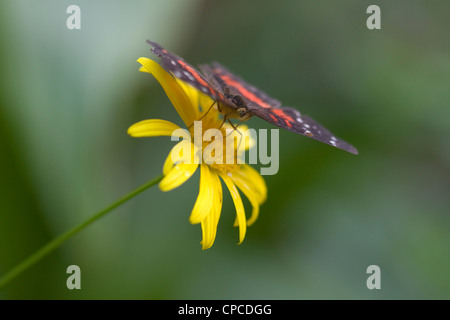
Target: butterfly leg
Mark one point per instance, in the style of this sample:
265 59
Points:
233 126
218 106
235 129
224 119
210 107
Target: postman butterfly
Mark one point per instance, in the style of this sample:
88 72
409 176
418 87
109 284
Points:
242 100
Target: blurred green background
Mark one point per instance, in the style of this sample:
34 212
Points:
68 97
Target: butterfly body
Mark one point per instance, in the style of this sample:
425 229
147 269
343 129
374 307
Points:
238 99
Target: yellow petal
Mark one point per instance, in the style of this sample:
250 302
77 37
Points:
204 201
199 100
205 102
243 139
251 196
183 152
240 212
143 69
152 128
177 94
178 175
192 94
253 180
209 224
168 164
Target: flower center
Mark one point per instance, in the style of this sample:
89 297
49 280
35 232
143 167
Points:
219 147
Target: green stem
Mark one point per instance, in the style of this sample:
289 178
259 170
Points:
31 260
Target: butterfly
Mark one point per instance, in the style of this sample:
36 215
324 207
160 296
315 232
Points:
242 100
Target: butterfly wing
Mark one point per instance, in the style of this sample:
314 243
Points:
229 82
292 120
262 105
220 80
184 71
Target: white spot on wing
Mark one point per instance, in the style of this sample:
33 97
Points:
190 77
299 120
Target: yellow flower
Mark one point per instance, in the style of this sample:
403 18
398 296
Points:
192 105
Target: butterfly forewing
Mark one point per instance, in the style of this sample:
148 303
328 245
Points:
183 70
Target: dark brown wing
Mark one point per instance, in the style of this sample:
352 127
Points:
269 109
292 120
228 82
221 84
184 71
